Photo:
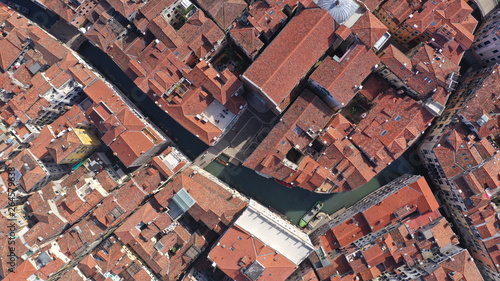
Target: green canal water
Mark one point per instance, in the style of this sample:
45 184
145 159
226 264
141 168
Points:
295 202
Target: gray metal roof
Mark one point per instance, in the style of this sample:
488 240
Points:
44 259
255 271
34 68
183 200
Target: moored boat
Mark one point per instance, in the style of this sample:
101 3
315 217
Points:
287 184
221 161
19 8
311 214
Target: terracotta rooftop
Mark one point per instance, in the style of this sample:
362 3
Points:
416 196
125 8
248 38
64 146
185 109
200 34
131 145
369 29
222 85
307 112
10 53
214 204
391 126
341 78
291 54
238 248
71 118
99 92
266 16
30 170
152 8
224 12
458 149
22 272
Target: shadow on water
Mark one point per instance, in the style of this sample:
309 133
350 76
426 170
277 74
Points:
295 202
38 14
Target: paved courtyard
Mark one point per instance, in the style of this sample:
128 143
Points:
239 143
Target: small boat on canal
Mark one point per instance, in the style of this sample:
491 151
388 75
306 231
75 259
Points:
287 184
311 214
221 161
19 8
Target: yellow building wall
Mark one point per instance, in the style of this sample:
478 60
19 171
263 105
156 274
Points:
89 142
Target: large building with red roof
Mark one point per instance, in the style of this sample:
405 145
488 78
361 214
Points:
337 80
286 61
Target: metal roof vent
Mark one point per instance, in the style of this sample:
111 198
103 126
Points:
341 10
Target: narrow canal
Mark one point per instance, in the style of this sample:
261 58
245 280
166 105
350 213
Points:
295 202
291 202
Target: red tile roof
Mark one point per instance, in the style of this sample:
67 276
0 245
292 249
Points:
61 8
185 109
374 255
163 31
267 16
71 118
351 230
30 170
222 85
22 271
99 92
237 249
391 126
343 32
131 145
369 29
214 204
9 54
462 263
341 78
63 146
416 196
224 12
200 34
291 54
152 8
125 8
248 38
308 111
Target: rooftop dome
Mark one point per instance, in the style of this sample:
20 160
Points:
340 10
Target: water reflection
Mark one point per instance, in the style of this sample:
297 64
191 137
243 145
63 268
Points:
295 202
